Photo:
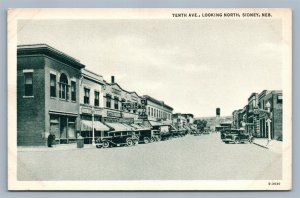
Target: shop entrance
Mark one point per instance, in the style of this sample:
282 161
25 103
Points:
63 127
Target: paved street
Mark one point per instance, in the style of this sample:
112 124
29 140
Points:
203 157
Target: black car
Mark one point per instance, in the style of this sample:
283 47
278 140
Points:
236 136
147 135
117 138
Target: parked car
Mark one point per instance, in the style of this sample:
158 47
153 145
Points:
117 138
147 135
164 132
236 136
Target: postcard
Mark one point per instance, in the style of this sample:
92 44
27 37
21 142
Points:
142 99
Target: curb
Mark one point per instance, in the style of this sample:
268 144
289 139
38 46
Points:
261 145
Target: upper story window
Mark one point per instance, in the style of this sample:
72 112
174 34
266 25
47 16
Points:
52 85
148 111
108 101
96 99
28 81
116 103
86 98
63 87
73 91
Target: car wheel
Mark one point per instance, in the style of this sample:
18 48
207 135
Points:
105 144
146 140
129 142
226 142
98 146
237 140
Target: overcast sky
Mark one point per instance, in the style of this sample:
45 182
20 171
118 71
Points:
192 65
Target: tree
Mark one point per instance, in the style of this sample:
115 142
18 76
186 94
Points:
201 124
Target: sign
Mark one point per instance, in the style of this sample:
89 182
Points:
116 91
111 120
86 110
126 120
144 103
113 114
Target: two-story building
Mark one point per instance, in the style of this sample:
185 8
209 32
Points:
91 108
158 111
47 95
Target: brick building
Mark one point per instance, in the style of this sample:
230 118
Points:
47 95
255 114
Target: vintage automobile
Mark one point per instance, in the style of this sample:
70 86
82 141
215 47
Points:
147 135
236 136
164 132
117 138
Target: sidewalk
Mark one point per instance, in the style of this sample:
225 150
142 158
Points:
58 147
273 145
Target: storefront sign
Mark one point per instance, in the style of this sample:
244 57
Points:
116 91
113 114
111 120
86 110
126 120
138 121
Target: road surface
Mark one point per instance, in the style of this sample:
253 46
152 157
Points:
203 157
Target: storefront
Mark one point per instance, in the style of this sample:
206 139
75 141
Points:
91 118
63 126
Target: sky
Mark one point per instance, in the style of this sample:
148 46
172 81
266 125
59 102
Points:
194 66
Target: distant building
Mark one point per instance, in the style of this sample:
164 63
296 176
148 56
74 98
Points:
157 110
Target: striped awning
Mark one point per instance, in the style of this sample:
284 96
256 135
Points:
140 127
117 126
86 125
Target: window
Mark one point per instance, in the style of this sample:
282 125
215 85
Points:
63 87
148 110
28 84
96 101
73 91
152 112
86 99
52 85
116 103
108 101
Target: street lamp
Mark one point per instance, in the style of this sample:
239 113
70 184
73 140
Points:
268 107
93 131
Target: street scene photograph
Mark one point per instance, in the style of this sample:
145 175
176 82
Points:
152 95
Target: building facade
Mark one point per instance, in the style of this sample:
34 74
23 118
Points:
47 95
157 110
262 108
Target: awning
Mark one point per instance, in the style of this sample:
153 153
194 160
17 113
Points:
129 128
140 127
117 126
86 125
154 123
173 127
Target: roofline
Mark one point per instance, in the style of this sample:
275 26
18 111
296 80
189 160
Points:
158 102
38 49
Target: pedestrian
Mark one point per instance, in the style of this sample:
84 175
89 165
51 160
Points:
51 138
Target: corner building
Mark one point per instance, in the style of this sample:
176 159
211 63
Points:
47 95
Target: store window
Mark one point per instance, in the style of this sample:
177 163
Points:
52 85
116 103
28 81
86 98
96 101
63 87
73 91
108 101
